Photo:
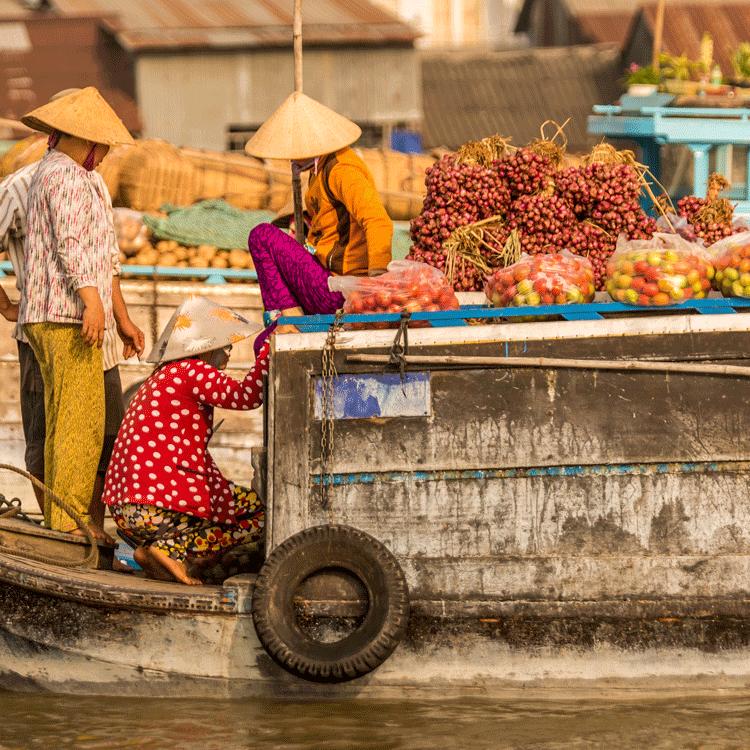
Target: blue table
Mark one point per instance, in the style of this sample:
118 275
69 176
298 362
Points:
703 131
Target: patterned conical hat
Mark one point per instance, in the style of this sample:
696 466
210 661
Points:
200 325
302 128
85 114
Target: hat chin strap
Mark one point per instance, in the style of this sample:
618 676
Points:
54 139
88 162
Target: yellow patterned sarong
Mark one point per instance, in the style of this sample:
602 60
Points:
74 405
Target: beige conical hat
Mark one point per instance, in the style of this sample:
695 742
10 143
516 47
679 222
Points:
83 114
200 325
302 128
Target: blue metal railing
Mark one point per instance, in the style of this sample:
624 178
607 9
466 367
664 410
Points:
590 311
207 275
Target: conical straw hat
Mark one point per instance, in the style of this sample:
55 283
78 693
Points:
200 325
302 128
83 114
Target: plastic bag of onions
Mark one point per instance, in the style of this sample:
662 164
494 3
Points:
664 270
405 287
553 279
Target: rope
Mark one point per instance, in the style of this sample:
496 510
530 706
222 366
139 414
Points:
91 560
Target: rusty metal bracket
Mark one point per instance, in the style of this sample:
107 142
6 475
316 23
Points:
399 351
12 509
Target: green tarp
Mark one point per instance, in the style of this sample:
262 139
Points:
207 223
217 223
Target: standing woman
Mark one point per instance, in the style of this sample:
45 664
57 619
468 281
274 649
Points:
349 229
67 301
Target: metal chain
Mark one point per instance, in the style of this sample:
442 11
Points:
328 375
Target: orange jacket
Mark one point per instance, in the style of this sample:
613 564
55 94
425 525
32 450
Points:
349 228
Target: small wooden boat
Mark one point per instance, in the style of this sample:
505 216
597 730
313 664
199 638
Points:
552 524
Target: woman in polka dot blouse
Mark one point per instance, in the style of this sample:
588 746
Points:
163 487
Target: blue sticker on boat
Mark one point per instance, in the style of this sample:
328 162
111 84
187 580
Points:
382 395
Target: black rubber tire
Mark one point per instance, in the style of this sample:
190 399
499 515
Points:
314 549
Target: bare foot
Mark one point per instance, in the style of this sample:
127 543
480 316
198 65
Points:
150 568
286 329
99 534
177 569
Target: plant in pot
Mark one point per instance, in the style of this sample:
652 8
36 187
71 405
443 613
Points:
642 80
741 65
680 73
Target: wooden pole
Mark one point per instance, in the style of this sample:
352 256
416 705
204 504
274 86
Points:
299 221
658 34
555 363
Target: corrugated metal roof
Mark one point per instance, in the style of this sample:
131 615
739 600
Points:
469 96
154 24
684 26
599 28
597 10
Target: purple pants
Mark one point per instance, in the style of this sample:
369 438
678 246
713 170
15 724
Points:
289 276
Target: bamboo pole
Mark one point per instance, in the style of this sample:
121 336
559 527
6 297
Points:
299 221
553 362
658 34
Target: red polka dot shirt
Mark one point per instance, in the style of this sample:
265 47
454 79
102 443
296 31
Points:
161 453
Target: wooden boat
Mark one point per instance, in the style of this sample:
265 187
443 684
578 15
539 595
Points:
555 526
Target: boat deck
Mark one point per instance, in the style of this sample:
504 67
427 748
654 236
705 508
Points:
130 591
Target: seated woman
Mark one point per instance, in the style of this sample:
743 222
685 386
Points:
350 231
163 488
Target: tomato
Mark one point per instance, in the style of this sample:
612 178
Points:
652 273
650 290
662 298
643 300
638 283
640 268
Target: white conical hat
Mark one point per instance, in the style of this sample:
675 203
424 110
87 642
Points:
302 128
200 325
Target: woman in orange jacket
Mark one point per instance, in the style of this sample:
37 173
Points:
349 230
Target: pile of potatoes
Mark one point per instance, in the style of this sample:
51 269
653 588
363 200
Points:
139 247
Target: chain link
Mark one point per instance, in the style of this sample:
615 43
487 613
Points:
328 376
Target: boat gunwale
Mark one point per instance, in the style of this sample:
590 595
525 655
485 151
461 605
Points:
218 600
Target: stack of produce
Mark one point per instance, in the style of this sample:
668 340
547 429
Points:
579 208
731 259
710 217
406 287
554 279
139 246
664 270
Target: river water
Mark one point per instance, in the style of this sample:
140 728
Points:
51 722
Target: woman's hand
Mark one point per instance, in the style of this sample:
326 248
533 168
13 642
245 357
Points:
92 329
132 337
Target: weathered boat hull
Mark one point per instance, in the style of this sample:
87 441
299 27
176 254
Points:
556 528
74 646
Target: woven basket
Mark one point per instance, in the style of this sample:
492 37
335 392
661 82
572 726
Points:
399 179
154 173
25 152
111 167
240 180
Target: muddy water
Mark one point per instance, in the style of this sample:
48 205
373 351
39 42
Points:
50 722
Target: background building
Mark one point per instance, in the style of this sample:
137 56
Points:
459 23
206 74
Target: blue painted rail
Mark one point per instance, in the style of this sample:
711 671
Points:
590 311
702 130
207 275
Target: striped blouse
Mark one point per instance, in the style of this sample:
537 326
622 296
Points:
70 242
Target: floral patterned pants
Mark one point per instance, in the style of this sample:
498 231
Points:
182 536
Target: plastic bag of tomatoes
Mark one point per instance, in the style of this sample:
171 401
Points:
731 259
665 270
405 286
552 279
